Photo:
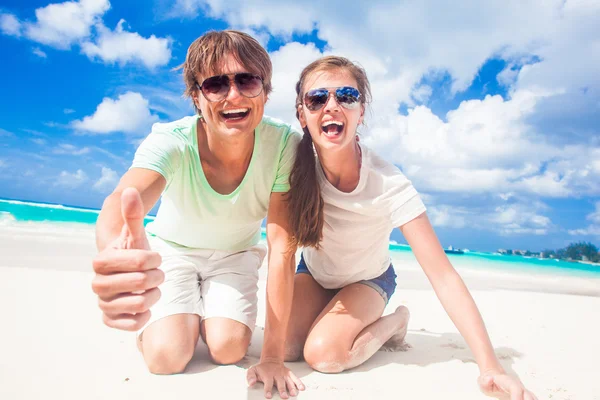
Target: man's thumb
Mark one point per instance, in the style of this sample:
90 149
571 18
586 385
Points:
132 210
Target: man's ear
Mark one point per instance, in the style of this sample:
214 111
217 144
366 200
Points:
301 116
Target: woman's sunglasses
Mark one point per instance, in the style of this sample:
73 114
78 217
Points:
216 88
346 96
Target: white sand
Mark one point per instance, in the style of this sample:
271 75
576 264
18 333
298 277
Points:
54 346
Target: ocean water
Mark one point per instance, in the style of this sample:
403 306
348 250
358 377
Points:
16 213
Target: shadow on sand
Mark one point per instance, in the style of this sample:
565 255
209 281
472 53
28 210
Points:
427 348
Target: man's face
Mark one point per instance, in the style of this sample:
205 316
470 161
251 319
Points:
218 114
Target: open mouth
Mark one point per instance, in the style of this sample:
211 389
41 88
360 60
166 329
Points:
237 114
332 128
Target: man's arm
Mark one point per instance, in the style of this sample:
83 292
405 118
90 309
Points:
149 184
127 274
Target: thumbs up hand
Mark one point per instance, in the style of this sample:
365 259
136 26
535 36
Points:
127 274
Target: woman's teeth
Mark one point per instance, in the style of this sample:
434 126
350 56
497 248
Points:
332 127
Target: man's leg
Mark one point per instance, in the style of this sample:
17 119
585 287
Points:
227 340
169 343
229 289
169 339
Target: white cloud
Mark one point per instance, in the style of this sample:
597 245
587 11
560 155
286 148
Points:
121 46
38 52
63 24
10 25
520 217
71 150
4 132
107 181
446 216
594 228
40 142
68 111
2 163
71 180
595 216
129 113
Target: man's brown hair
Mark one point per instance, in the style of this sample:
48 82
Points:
206 54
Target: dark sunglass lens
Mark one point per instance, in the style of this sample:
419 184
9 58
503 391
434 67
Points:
249 85
215 86
315 99
347 96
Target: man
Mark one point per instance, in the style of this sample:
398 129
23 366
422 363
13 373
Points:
220 173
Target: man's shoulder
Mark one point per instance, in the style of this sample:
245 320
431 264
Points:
179 129
276 127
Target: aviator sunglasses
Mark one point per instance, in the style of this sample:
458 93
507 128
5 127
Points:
217 87
346 96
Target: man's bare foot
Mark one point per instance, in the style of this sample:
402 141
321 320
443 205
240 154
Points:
397 342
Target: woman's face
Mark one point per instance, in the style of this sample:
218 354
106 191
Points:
333 126
248 112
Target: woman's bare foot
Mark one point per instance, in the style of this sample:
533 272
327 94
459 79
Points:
396 342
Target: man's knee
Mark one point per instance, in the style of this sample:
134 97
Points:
227 340
228 348
165 358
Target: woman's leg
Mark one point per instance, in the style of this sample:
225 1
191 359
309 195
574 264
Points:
350 329
309 300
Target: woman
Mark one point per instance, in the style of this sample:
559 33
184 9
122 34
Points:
344 203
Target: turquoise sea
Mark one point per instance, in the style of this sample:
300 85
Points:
15 212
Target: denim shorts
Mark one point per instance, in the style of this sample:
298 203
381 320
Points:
384 284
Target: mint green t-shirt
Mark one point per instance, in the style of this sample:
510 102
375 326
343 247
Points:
191 213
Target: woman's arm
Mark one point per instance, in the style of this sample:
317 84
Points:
461 308
280 290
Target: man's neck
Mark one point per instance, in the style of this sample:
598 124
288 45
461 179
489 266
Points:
224 151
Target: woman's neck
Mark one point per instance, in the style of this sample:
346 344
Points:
342 167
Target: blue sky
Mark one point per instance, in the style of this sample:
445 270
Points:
492 110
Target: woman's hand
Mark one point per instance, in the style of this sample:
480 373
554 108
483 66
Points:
502 386
274 372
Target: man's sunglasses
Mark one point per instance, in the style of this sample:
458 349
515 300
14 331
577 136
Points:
346 96
216 88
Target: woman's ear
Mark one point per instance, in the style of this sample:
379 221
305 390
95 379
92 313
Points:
301 116
362 114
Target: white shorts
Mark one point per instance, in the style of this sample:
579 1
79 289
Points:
209 283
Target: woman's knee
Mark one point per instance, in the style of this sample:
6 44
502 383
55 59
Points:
324 355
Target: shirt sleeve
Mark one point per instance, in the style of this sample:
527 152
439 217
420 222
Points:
161 152
406 204
408 211
286 162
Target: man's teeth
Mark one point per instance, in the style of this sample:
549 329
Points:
338 123
236 111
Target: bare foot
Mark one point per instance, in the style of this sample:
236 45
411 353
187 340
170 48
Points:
397 342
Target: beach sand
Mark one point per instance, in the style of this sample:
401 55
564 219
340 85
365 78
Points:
53 344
